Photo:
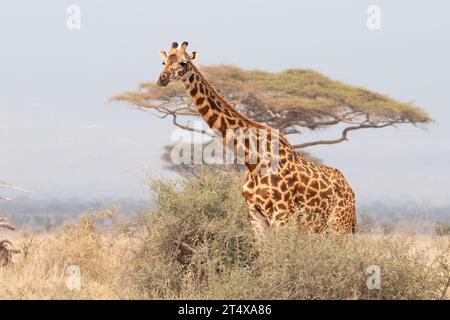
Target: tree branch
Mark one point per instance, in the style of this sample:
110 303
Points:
343 136
4 185
290 101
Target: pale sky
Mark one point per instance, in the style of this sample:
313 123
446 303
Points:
60 137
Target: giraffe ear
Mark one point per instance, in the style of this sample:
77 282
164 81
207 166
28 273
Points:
193 55
163 55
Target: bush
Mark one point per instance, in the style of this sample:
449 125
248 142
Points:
197 243
199 228
200 246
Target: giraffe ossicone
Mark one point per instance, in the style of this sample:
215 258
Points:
280 182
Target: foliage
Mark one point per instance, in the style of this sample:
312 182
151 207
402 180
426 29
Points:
291 101
196 243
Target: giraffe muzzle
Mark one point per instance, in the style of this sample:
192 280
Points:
163 80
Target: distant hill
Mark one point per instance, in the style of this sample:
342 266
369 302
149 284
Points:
392 213
37 213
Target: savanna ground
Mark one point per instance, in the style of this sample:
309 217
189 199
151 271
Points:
196 243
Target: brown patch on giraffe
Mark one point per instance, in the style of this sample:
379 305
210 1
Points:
201 88
268 205
289 157
314 184
212 119
326 193
264 192
274 180
304 178
194 91
276 195
322 184
200 101
223 126
213 105
264 180
300 189
291 180
246 194
311 193
285 171
204 110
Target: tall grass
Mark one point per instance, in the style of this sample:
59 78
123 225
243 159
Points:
196 243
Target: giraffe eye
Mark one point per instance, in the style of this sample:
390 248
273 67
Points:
182 63
163 63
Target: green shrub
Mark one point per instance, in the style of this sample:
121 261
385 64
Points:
198 228
199 245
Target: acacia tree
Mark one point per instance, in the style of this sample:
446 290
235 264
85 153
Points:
292 101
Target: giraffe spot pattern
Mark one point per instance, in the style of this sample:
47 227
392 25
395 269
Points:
320 195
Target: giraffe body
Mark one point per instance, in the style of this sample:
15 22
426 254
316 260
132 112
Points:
319 195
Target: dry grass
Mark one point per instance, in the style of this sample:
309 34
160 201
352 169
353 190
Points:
197 244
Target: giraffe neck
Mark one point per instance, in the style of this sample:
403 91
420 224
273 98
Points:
216 112
221 116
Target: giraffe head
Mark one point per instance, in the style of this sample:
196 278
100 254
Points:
176 63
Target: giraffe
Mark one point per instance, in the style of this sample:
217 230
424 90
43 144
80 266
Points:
319 195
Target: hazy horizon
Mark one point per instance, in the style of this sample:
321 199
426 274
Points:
61 137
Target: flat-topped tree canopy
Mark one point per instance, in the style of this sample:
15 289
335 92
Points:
291 101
